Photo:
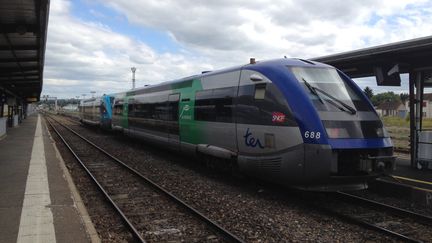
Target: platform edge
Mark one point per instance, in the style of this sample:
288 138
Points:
85 217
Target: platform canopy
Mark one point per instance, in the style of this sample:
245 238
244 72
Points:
385 62
23 31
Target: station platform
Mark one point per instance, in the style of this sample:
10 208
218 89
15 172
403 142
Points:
38 201
412 176
406 182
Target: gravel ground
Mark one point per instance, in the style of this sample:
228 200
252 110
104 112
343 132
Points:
250 209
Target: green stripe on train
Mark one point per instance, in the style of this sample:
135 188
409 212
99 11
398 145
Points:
186 111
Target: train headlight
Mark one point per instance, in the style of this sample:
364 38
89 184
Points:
337 132
382 132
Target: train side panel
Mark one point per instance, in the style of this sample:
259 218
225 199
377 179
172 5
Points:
269 140
214 110
90 111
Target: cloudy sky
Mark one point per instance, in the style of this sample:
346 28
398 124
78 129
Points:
92 44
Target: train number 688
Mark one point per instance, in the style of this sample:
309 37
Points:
313 135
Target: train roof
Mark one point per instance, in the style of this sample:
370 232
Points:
261 64
98 98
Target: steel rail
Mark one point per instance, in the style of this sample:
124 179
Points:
395 210
129 225
369 225
227 235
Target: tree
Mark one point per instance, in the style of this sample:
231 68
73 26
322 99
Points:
384 97
368 92
404 97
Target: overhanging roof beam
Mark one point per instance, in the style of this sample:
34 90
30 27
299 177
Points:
20 48
21 59
13 53
20 81
19 28
18 70
4 76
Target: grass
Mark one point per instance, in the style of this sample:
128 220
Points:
402 122
399 130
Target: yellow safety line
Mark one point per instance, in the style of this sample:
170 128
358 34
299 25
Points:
414 180
422 189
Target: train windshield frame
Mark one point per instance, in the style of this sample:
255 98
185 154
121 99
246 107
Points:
330 92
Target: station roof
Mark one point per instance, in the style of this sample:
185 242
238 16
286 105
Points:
23 31
408 55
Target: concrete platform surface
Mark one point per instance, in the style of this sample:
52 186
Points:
403 168
36 200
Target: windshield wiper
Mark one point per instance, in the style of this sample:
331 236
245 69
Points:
334 99
313 90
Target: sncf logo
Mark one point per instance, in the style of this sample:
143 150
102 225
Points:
278 117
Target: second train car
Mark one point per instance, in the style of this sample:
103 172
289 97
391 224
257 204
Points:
290 121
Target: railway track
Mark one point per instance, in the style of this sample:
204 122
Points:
389 225
149 211
393 221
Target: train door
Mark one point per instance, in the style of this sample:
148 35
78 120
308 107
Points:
173 120
117 116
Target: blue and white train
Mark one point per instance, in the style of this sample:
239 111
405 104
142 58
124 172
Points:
290 121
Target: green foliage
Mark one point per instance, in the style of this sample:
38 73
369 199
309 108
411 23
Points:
404 97
368 92
382 97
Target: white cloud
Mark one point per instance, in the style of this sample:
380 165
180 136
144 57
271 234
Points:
216 34
275 26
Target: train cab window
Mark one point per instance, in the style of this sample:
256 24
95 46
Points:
103 109
267 107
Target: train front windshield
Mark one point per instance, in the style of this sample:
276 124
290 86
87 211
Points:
328 91
336 101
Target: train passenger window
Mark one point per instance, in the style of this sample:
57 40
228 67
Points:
215 105
118 107
160 111
155 115
131 111
173 107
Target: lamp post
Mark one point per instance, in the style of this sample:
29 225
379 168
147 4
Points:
92 92
133 69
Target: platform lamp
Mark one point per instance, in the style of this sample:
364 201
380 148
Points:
92 92
133 69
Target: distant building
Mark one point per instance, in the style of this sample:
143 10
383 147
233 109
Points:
392 108
70 107
427 105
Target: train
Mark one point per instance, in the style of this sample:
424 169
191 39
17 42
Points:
293 122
